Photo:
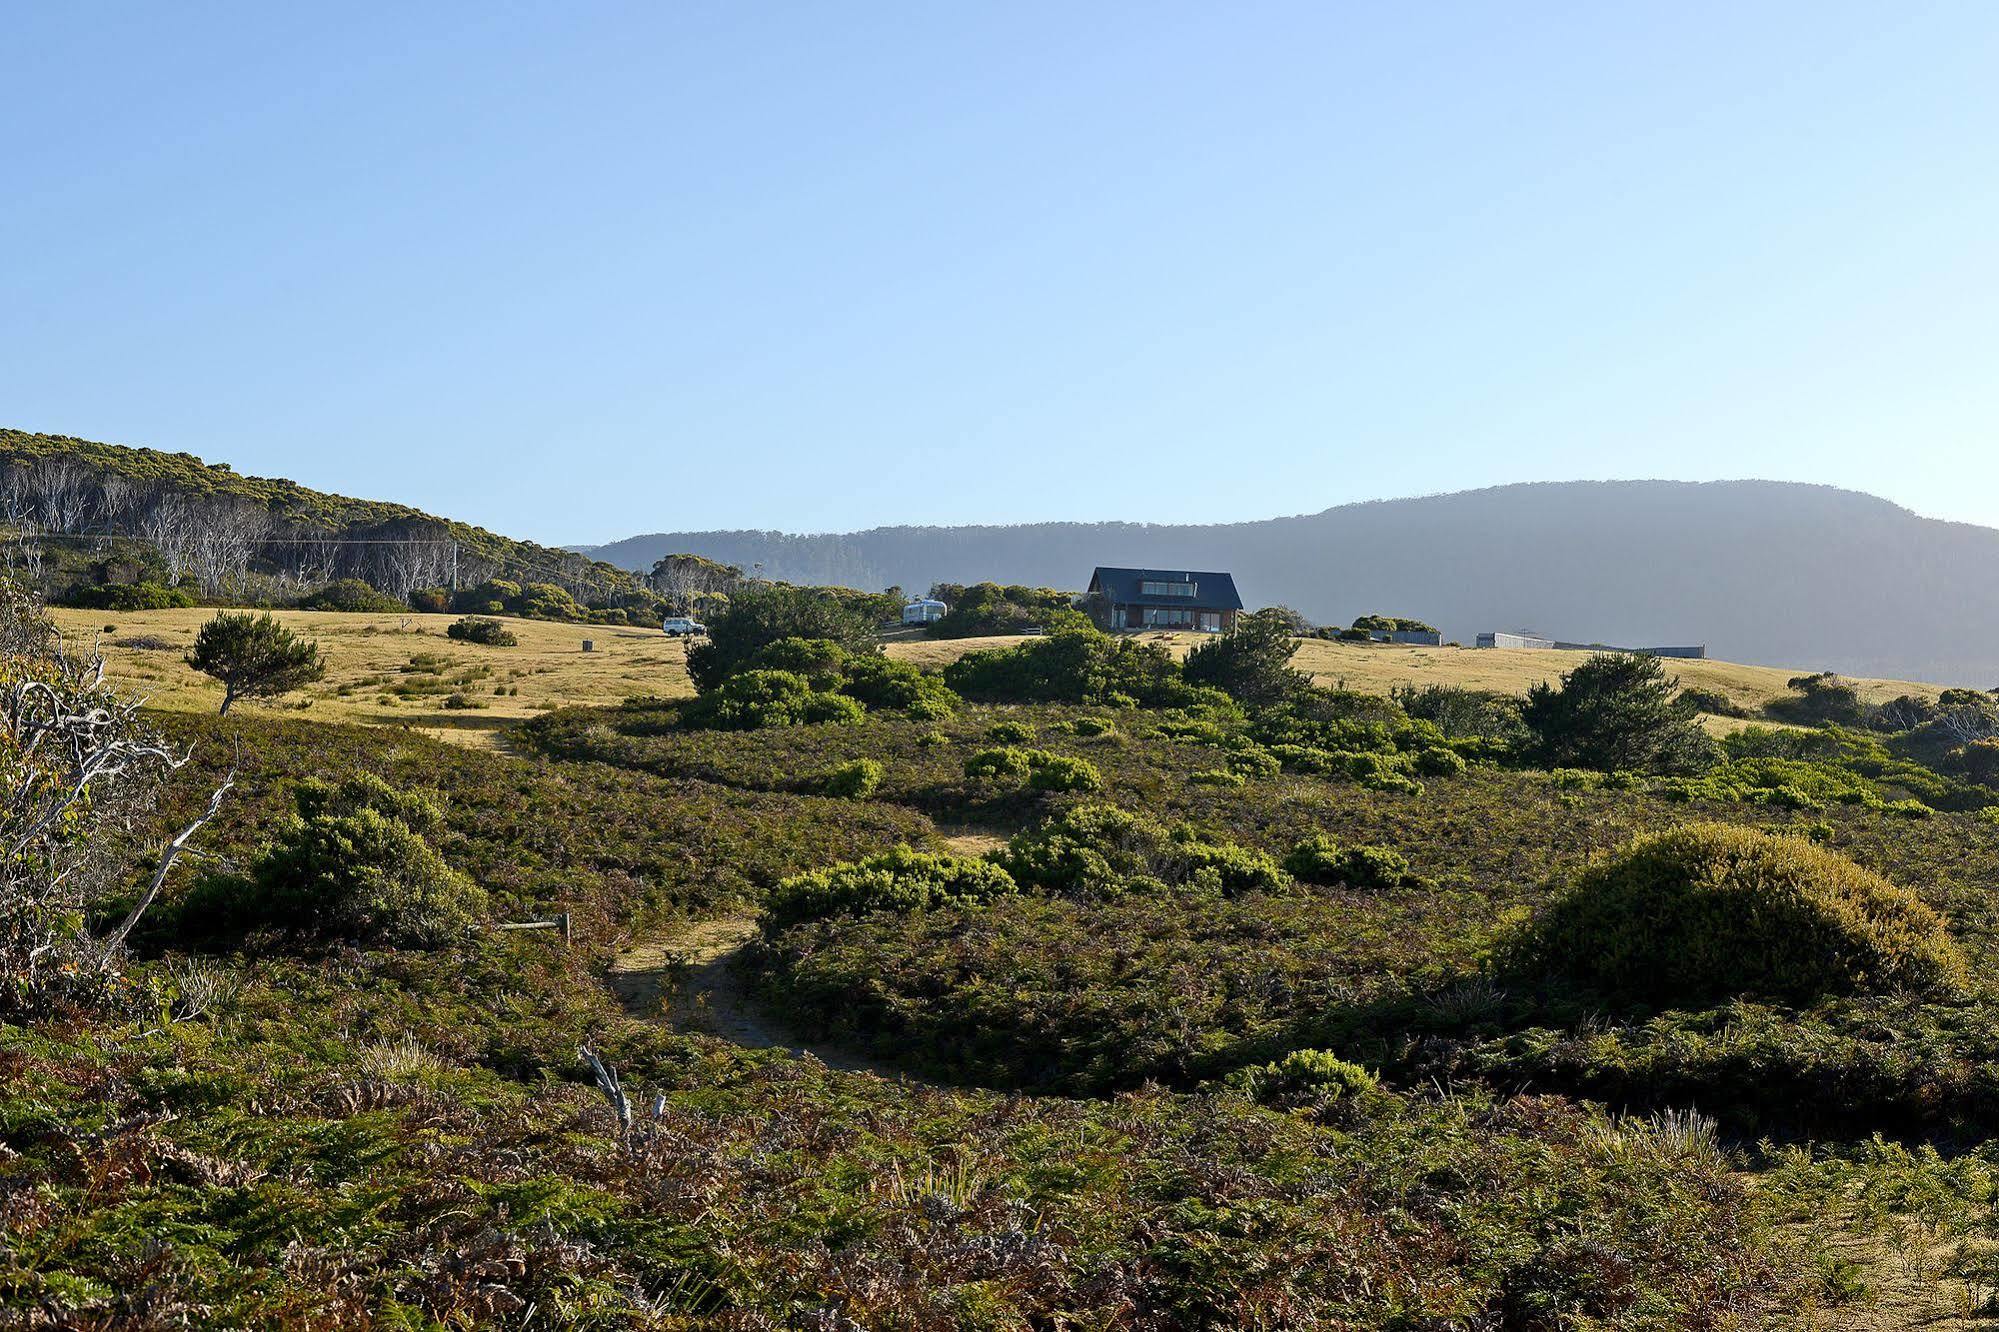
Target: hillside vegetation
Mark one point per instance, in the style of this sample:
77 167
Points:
1168 990
78 514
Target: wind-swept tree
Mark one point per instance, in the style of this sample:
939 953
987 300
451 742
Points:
254 657
1618 711
1251 662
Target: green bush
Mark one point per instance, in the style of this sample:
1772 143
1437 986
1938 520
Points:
1320 859
763 614
1615 711
1253 762
1710 911
856 779
1221 777
130 597
882 684
1223 869
1010 732
820 660
900 880
1713 702
1820 700
1100 851
1060 772
351 594
546 601
1090 727
1250 663
1318 1076
1076 664
482 630
354 863
1440 763
998 765
988 608
756 700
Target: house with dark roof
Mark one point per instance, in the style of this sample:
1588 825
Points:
1163 599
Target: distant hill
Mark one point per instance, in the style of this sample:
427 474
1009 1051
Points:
1772 573
90 503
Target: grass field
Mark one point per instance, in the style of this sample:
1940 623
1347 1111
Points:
399 670
1380 667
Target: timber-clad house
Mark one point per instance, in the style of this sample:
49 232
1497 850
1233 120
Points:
1163 599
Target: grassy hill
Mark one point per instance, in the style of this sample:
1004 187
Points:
400 670
83 496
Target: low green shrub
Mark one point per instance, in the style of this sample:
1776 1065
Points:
1221 777
1090 727
1010 732
1439 763
1713 702
1073 664
131 597
1006 764
755 700
880 683
1100 851
351 594
1061 772
1321 859
1710 911
1254 763
1306 1076
354 863
856 779
483 630
900 880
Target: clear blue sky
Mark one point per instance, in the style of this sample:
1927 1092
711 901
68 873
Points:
576 271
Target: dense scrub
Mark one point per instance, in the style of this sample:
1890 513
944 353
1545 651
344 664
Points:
379 1134
1282 1078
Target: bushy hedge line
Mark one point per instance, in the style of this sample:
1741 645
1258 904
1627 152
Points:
130 597
351 594
901 880
1075 665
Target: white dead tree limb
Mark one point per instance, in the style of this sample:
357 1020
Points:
77 760
169 856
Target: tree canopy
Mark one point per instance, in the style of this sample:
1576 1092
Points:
254 657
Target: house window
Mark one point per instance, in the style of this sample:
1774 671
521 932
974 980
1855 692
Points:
1147 588
1168 617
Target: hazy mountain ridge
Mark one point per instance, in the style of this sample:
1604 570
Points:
1777 573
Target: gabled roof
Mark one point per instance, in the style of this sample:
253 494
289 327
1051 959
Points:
1212 591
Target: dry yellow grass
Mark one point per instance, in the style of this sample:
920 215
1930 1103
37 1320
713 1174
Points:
365 658
1379 668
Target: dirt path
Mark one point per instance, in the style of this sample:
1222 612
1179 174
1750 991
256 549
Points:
689 981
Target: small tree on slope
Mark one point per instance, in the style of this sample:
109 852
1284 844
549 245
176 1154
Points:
1616 712
254 657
